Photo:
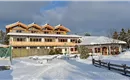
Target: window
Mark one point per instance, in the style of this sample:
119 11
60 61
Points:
62 40
18 31
65 49
75 49
39 40
58 33
20 39
35 39
74 40
46 32
72 49
33 31
48 40
98 49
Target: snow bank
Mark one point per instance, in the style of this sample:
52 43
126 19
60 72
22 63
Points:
43 57
125 55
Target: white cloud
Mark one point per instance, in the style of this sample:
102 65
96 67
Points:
19 10
93 17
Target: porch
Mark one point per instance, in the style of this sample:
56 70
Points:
106 49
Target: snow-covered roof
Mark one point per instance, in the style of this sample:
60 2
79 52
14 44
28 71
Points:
48 26
93 40
44 35
62 27
35 25
16 23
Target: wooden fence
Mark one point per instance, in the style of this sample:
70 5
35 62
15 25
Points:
121 68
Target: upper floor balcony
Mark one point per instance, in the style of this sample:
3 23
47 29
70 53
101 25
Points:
65 44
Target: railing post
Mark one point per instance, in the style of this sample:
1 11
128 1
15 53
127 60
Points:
109 66
93 61
124 67
100 63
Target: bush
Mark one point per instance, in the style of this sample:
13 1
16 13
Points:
84 52
4 68
55 51
52 52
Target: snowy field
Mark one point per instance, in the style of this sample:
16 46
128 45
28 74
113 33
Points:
37 68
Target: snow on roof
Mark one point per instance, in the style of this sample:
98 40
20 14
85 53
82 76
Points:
62 27
93 40
34 24
48 26
45 35
16 23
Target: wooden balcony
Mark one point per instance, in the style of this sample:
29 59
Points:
14 43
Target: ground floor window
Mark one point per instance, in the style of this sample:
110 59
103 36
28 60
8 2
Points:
19 47
90 50
72 49
96 51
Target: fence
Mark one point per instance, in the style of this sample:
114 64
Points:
6 52
123 68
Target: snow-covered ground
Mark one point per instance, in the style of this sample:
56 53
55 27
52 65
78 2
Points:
56 69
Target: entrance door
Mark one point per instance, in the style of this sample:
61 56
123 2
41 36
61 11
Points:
104 50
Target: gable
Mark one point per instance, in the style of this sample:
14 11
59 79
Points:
62 28
34 26
16 25
47 27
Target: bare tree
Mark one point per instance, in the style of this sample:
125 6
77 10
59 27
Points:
113 40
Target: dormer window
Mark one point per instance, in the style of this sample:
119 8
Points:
33 31
57 32
45 32
18 31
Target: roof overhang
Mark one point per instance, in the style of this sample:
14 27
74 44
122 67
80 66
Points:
43 35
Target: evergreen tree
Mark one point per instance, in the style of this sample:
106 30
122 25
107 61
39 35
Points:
128 31
6 40
84 52
3 37
87 34
127 38
122 35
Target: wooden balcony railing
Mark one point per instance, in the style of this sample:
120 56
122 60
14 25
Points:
15 43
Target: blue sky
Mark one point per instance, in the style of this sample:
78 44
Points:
54 4
96 18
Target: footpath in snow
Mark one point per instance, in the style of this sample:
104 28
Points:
58 69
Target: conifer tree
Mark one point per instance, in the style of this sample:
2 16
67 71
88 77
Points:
87 34
127 38
122 35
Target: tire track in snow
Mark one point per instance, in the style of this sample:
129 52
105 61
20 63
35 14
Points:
39 73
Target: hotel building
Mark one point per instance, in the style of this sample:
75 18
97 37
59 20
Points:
33 39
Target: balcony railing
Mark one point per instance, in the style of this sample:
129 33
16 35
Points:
15 43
